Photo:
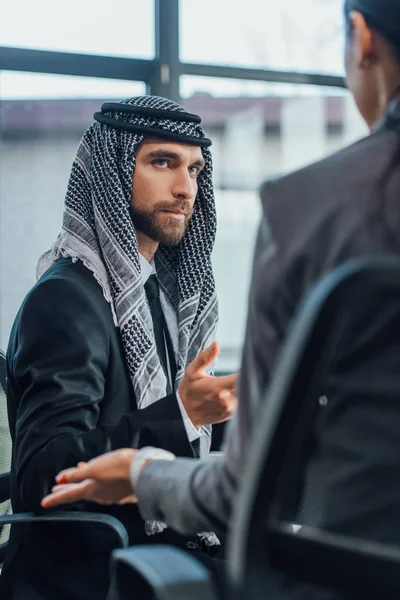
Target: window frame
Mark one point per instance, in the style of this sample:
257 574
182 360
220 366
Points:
161 74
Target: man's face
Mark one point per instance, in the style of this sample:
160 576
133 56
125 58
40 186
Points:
164 189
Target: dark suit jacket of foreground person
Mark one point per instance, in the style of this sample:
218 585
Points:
338 209
90 346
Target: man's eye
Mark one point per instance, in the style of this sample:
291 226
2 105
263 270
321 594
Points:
194 170
160 162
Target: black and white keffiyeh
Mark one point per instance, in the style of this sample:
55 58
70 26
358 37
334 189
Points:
98 230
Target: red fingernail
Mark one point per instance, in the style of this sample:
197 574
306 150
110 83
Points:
61 478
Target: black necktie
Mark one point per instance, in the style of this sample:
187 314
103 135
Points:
161 334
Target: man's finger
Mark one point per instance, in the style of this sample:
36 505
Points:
206 357
230 403
228 396
227 382
67 494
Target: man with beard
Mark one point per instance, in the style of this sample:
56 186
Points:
112 346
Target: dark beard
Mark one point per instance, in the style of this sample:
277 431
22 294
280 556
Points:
169 233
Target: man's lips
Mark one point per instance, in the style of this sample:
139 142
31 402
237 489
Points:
176 214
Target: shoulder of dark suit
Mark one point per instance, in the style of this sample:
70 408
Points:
66 276
342 182
73 271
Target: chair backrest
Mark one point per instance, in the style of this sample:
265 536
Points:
264 541
5 443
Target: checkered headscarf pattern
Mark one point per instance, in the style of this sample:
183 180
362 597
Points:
97 229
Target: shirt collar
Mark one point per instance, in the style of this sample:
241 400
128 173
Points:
146 268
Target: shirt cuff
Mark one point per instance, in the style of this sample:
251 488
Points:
192 432
148 453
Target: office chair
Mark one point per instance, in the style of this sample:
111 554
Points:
346 564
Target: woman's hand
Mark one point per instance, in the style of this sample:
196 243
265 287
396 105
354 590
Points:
105 480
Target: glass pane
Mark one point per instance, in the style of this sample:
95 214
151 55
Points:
259 131
35 86
125 29
42 119
291 35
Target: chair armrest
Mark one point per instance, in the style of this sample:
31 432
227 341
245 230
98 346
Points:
161 572
4 487
72 517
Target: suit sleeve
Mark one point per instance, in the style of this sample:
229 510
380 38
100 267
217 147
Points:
60 365
192 497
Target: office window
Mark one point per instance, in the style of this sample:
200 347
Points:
259 131
118 28
42 118
290 35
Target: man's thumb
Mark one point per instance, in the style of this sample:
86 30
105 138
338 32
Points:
206 357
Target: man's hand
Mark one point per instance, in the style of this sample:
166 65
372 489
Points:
207 400
105 480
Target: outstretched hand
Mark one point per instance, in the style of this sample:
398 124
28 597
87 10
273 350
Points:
105 480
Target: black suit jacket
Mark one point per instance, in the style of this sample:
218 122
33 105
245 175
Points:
70 398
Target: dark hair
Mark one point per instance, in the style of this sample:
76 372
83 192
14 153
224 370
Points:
383 16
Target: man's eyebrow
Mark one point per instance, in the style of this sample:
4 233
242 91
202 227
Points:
200 162
163 154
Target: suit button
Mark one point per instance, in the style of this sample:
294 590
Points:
323 401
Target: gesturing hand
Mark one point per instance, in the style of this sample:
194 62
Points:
105 480
207 400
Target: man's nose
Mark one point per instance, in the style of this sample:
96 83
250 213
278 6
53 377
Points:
184 185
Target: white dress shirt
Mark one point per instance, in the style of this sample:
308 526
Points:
171 320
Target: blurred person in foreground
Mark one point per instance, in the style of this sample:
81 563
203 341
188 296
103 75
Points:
343 207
